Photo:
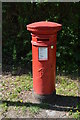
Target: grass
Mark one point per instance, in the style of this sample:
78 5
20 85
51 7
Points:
24 109
15 87
3 107
34 109
66 86
75 115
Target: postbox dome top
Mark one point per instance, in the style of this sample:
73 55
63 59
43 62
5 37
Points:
44 27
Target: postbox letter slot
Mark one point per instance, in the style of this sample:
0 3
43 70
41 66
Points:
42 39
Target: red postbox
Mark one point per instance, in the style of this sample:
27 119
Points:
44 38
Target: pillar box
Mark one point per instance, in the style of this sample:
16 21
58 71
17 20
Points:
44 38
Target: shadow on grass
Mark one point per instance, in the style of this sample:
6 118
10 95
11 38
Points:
62 103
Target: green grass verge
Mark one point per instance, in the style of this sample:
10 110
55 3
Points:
13 87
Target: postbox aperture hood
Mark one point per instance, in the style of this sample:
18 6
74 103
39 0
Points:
44 27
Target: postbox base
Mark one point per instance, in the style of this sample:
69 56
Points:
45 98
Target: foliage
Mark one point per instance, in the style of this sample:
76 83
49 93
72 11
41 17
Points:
16 39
